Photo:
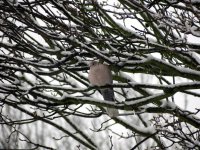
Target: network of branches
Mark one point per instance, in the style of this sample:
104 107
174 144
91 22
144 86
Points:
152 48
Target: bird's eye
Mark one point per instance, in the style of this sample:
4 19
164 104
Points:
92 63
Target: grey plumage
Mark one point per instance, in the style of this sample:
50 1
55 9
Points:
108 94
100 75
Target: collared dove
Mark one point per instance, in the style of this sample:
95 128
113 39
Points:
100 75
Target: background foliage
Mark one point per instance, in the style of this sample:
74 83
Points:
152 47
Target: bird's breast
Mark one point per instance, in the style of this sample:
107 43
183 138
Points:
100 75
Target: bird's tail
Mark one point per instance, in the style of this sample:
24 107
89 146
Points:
112 112
108 95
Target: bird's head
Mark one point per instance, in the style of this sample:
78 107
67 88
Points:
93 63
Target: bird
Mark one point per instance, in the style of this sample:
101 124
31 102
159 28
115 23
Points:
100 75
